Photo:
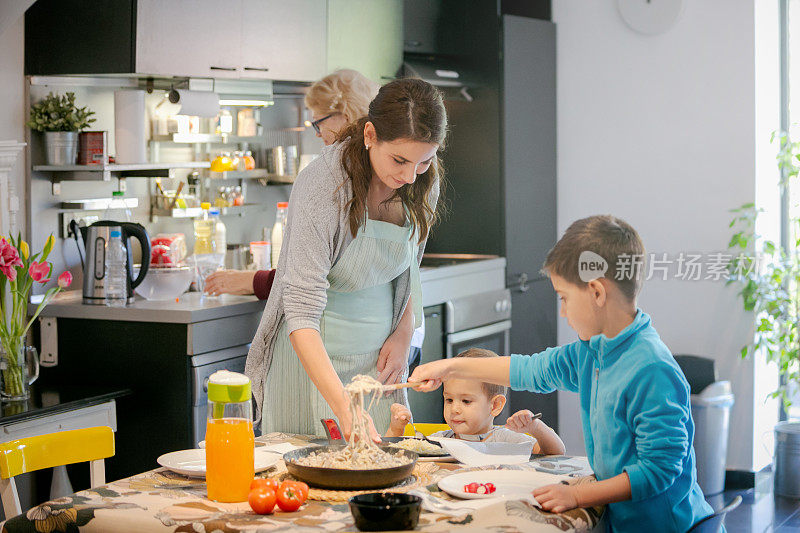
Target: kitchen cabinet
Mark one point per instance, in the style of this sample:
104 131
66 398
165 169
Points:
367 36
270 39
288 39
161 352
261 39
188 38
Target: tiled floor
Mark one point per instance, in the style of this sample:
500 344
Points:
761 511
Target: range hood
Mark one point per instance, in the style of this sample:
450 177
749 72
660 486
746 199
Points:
440 72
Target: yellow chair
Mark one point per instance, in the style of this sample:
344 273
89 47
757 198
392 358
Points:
424 428
54 449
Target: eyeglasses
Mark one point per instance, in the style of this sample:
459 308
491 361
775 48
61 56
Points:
315 123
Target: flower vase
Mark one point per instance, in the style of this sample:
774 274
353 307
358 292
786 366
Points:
19 368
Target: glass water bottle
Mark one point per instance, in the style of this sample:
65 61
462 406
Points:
229 437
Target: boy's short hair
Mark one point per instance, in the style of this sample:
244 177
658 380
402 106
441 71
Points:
606 236
490 389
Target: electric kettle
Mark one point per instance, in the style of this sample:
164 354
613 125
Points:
92 251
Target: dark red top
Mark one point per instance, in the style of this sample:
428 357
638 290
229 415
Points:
262 283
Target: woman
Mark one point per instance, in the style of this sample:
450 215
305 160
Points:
335 101
347 295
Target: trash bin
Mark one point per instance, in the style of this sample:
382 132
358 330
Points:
711 410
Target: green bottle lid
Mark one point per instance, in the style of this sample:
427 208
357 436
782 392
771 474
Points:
228 387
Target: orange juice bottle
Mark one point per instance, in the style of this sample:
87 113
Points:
229 437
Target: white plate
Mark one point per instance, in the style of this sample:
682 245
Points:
192 463
507 482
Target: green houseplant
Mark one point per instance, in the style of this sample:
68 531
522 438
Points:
768 275
60 119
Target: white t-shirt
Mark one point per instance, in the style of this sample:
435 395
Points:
498 434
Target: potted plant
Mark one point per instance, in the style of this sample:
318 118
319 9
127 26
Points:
19 270
60 120
769 279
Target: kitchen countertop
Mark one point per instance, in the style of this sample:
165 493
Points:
189 308
45 401
440 283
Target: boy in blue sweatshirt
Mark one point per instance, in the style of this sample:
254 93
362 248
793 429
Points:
634 399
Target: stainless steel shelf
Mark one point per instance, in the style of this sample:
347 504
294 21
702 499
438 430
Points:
202 138
194 212
258 173
106 172
94 204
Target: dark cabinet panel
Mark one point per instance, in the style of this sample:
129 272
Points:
529 142
149 359
78 36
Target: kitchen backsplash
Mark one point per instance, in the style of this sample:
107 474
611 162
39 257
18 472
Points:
44 209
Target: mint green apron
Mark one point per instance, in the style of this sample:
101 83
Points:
354 325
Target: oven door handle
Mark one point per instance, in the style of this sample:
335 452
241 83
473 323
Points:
478 333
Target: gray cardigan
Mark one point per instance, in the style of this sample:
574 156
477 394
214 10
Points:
317 233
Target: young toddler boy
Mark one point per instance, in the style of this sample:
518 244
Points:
634 399
470 407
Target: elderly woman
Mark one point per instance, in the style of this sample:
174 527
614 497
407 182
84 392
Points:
347 293
335 101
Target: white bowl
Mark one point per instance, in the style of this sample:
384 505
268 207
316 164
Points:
164 283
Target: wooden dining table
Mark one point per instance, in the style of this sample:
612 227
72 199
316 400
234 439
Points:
160 500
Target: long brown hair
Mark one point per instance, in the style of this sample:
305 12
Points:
408 109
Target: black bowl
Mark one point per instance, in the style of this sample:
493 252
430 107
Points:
385 511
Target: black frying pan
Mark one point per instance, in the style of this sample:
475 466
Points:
340 479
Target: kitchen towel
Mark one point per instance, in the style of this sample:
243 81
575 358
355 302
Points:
487 453
195 103
129 128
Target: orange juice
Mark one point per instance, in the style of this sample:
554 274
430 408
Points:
229 459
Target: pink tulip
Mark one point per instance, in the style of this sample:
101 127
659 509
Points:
9 259
64 279
39 271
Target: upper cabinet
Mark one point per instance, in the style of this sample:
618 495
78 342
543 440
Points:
272 39
261 39
188 38
284 40
366 35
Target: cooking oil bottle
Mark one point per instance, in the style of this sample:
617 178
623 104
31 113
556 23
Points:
204 230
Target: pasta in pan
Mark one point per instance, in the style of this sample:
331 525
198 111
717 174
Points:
361 453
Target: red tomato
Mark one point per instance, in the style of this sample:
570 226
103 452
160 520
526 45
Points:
472 488
301 487
289 498
264 482
262 500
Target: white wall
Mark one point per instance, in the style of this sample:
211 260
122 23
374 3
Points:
12 92
661 131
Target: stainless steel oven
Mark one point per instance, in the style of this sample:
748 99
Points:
203 366
478 321
481 320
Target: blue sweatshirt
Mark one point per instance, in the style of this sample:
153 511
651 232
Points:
636 418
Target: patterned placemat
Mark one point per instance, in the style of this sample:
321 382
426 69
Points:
421 476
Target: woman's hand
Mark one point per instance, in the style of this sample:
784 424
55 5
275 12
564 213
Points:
230 282
346 425
556 498
393 358
400 417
